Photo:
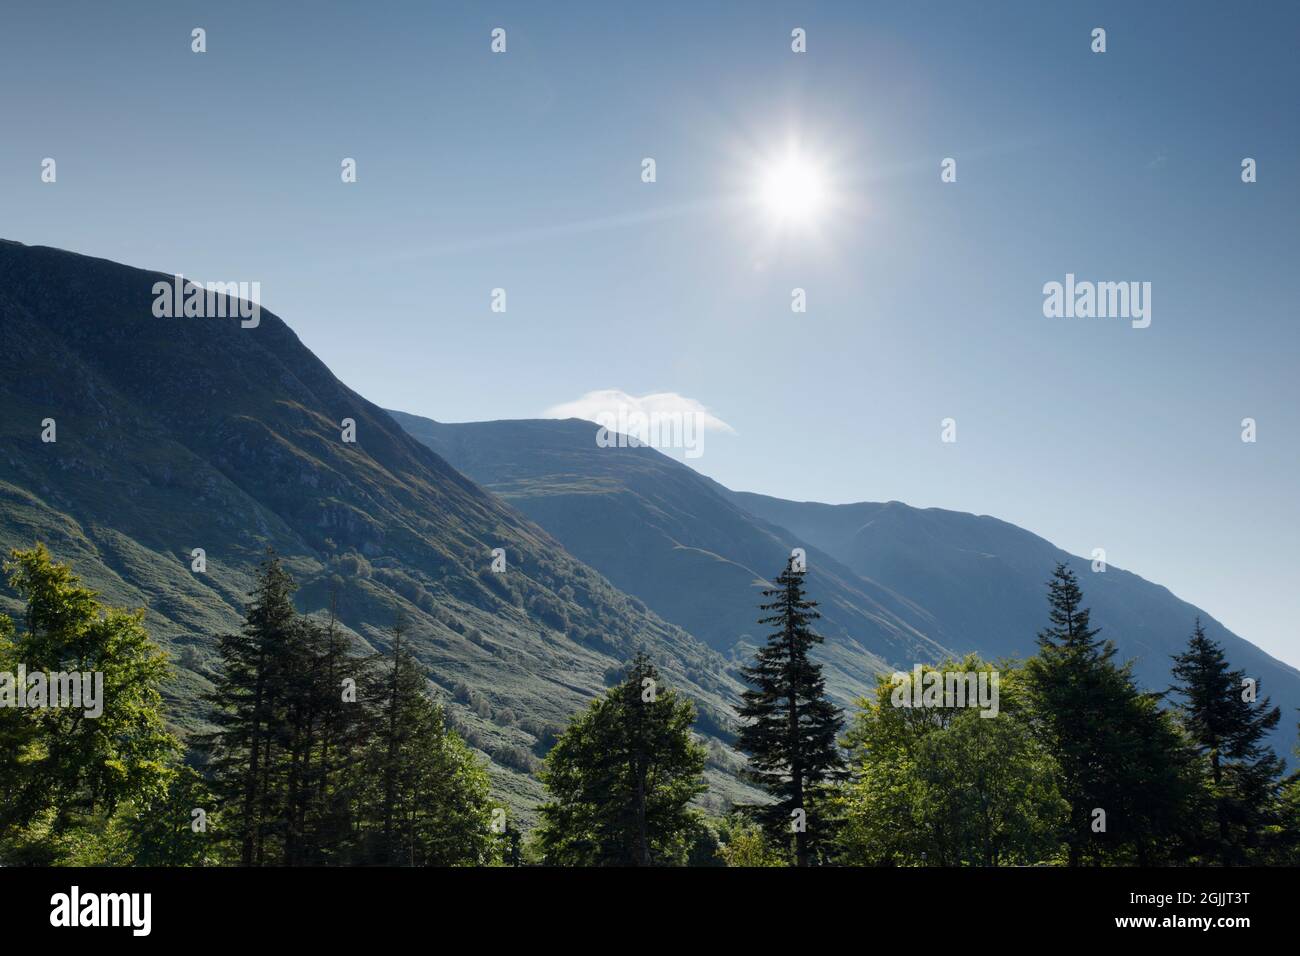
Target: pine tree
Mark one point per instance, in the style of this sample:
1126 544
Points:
343 728
314 717
621 778
1283 844
1229 730
791 730
429 802
1124 767
308 775
251 696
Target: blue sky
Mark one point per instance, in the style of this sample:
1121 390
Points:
522 171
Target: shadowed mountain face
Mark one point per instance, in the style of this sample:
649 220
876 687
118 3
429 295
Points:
660 531
181 433
898 584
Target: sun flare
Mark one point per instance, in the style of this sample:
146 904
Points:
793 189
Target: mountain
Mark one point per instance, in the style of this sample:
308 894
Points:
179 433
659 531
898 585
983 582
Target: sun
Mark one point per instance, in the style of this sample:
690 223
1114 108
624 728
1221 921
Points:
792 189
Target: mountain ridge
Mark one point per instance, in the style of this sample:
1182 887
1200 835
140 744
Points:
182 433
967 582
657 531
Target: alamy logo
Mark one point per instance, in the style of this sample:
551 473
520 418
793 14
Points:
1098 300
103 909
923 688
213 300
58 689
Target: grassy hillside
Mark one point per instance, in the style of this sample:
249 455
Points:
898 584
175 434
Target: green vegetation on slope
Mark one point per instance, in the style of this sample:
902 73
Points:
176 434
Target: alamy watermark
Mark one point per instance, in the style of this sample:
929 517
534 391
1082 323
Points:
75 690
627 426
1098 300
213 300
934 688
75 908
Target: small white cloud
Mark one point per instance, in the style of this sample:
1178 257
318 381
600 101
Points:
613 404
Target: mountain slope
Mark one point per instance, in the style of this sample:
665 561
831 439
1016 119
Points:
175 434
660 531
983 581
898 584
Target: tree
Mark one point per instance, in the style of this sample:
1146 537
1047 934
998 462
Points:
341 728
429 804
1124 767
250 697
791 729
66 770
943 785
1282 840
165 830
512 849
1229 729
325 757
743 844
621 778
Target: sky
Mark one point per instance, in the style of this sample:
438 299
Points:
924 299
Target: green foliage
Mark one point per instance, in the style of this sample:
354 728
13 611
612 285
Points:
742 844
1117 752
946 786
1281 840
262 666
704 841
1229 729
142 475
67 778
426 801
301 771
172 829
321 757
791 725
620 778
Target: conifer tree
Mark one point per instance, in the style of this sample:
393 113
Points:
313 714
428 803
308 775
343 727
1283 843
1124 768
621 778
251 695
1229 729
791 729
